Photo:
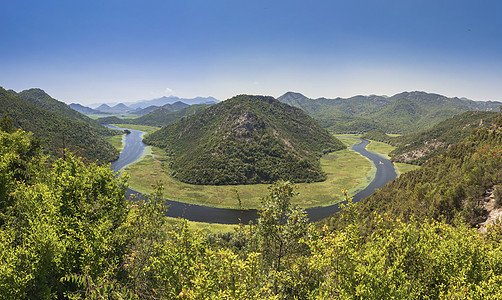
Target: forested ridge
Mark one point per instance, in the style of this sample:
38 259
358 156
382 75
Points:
67 232
55 132
402 113
417 148
245 140
41 99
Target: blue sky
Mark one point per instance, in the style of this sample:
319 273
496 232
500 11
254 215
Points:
118 50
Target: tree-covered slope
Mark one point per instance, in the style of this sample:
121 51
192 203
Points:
55 131
402 113
454 184
41 99
417 148
246 139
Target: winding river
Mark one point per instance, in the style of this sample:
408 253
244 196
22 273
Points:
134 147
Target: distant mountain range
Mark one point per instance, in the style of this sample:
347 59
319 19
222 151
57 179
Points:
170 100
140 108
86 110
127 107
158 116
402 113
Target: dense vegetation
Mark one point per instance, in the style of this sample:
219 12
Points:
455 184
41 99
66 231
417 148
56 132
244 140
402 113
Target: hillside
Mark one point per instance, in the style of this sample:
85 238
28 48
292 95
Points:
402 113
41 99
459 183
244 140
55 131
417 148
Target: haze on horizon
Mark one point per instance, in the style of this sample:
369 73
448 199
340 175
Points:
121 51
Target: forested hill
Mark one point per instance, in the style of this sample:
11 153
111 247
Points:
41 99
461 182
244 140
55 131
417 148
402 113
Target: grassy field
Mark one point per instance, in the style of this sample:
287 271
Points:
345 169
117 141
380 148
384 149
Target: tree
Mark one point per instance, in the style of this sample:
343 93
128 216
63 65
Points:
6 124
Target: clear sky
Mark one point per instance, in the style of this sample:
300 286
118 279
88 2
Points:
119 50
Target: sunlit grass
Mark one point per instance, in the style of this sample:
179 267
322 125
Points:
117 141
404 168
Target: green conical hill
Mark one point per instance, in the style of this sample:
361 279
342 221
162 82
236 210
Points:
244 140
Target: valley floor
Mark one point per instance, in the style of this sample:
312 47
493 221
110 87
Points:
346 170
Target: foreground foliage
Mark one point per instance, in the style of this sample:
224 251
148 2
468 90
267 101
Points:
66 231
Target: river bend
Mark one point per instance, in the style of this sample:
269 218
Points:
134 147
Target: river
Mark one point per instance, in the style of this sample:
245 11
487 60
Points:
134 147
